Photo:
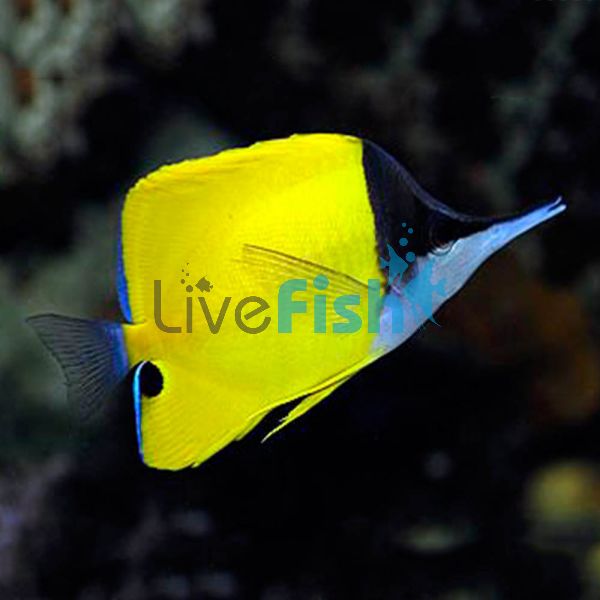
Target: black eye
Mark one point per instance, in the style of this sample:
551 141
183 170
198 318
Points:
151 380
443 248
441 236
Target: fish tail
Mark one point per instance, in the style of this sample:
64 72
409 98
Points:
92 356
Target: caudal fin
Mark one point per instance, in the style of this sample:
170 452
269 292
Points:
91 354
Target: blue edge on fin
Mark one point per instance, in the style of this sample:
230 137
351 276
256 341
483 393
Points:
126 310
121 280
137 403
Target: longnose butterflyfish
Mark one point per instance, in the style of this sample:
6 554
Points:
265 275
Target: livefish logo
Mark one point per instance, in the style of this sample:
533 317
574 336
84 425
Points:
409 299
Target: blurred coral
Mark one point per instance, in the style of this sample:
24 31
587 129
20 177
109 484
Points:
527 323
54 61
562 506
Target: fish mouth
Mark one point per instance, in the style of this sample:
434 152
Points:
511 228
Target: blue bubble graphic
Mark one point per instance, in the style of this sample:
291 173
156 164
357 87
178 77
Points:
321 282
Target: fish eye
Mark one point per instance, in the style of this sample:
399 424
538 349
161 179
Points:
151 380
440 237
443 248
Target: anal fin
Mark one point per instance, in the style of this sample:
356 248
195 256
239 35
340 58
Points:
305 405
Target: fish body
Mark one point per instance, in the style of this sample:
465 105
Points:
258 276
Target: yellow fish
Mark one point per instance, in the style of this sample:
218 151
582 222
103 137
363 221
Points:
263 275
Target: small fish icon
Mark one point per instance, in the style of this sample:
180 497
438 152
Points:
204 285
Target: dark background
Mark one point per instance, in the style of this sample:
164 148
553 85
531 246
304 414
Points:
463 466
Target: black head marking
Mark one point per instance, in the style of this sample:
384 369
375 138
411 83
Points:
397 198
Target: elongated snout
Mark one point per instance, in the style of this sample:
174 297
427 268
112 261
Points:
468 253
506 230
